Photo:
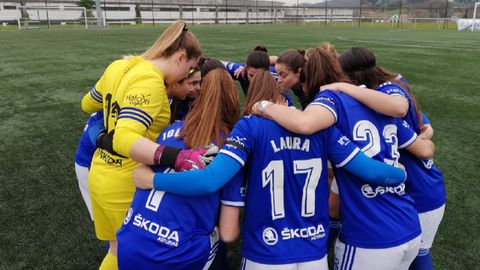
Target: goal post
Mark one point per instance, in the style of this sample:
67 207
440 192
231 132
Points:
34 17
474 19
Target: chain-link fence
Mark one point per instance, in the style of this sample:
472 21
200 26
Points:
364 13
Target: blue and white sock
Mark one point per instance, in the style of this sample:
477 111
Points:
423 261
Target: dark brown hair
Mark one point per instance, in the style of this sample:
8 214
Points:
262 87
360 65
208 64
258 59
260 47
215 112
294 60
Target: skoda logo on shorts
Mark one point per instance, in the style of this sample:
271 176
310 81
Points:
128 217
270 236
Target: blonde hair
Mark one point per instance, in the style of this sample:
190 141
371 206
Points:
176 37
330 49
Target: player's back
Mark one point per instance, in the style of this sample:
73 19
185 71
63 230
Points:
372 216
286 209
424 180
161 227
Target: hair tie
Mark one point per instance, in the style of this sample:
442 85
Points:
185 28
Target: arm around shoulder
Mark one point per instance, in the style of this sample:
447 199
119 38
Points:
311 120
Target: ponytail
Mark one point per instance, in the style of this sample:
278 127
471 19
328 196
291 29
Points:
176 37
360 65
321 69
262 87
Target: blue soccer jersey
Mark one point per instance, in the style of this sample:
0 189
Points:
403 80
85 149
232 67
168 231
286 208
424 180
372 216
242 79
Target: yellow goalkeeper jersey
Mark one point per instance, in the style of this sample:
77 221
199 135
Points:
133 95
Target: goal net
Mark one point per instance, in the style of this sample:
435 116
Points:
36 17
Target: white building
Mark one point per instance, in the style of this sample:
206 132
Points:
162 11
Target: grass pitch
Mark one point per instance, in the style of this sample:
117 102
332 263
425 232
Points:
44 74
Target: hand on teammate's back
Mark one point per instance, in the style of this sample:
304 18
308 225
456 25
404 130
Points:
238 72
426 132
194 159
143 177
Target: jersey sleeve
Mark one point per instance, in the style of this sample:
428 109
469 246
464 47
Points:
340 149
240 141
392 89
288 98
142 103
274 72
93 100
233 193
406 135
425 119
326 99
232 67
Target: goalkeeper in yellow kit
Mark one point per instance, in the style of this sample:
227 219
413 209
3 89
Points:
133 94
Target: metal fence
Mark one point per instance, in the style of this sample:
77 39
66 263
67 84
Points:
392 14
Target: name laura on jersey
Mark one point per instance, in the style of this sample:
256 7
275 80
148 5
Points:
290 143
164 235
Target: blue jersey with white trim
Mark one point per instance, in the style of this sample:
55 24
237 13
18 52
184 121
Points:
242 79
85 149
424 180
161 227
404 81
286 208
232 67
372 216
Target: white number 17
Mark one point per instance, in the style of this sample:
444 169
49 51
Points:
273 174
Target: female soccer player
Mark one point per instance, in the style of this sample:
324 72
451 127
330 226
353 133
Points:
257 61
380 225
134 98
425 181
168 231
285 222
179 107
290 74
